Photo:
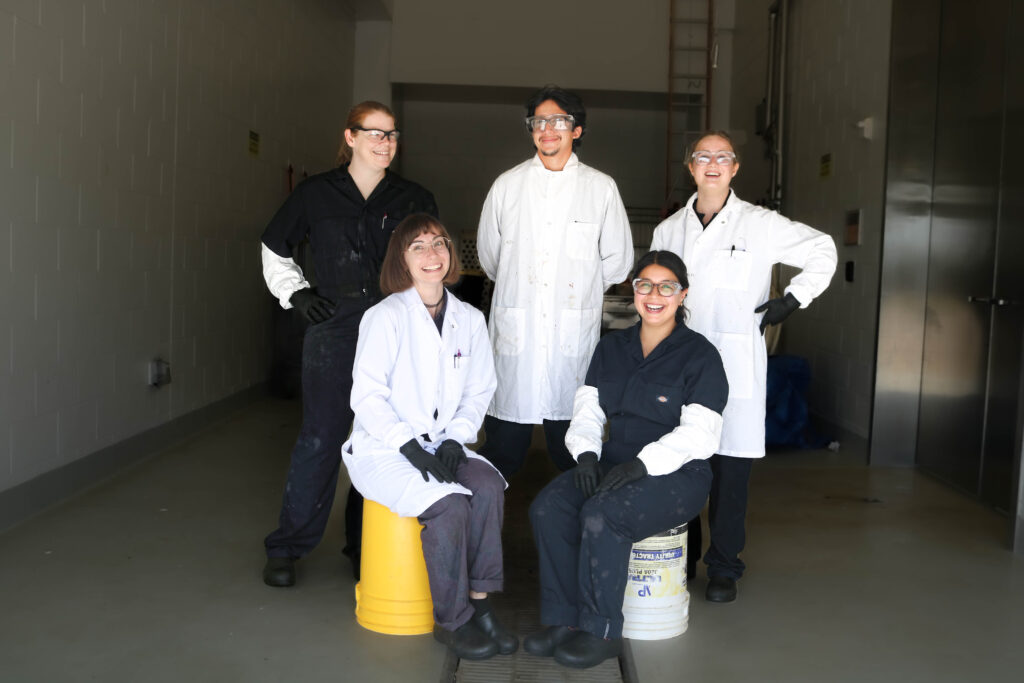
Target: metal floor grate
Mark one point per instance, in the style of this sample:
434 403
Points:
517 605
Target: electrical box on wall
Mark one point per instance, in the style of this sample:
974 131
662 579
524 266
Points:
159 372
851 236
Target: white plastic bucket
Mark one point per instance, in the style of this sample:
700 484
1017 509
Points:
656 605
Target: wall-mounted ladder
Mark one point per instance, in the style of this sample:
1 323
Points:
691 59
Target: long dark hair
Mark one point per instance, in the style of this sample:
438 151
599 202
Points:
394 273
666 259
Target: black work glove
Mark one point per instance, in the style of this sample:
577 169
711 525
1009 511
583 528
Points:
587 475
451 454
425 462
311 305
777 310
622 474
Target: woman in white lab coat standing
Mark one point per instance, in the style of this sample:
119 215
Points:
729 247
422 380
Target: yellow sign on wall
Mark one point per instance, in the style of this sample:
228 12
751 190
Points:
254 143
825 169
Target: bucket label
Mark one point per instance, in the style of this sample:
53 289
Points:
656 604
657 570
657 555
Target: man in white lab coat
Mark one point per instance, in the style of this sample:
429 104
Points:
553 236
729 247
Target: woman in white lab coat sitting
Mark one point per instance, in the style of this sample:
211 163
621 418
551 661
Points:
422 380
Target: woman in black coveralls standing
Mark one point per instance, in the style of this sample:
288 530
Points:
348 215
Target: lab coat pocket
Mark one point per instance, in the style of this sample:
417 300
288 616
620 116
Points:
730 269
732 312
509 331
578 331
737 357
581 239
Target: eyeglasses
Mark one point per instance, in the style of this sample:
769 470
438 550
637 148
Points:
643 287
419 248
557 122
721 158
378 135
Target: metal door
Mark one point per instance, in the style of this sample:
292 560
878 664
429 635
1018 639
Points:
968 411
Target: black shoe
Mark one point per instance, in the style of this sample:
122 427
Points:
587 650
489 624
279 572
543 643
467 641
720 589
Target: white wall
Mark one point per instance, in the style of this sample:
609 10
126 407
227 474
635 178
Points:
599 44
838 75
131 208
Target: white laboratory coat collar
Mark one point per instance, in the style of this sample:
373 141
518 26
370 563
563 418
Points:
571 164
411 299
730 203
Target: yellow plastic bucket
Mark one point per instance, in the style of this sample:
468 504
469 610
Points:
393 594
656 604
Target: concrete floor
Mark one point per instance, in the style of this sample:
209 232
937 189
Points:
854 574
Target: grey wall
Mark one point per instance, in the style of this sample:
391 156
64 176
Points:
750 60
131 207
457 140
600 44
837 76
472 65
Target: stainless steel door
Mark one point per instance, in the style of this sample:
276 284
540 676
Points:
1003 430
955 411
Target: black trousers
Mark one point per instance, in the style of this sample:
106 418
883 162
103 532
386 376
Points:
584 543
727 512
328 351
461 540
507 443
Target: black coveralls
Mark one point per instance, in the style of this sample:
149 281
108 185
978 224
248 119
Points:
584 543
348 237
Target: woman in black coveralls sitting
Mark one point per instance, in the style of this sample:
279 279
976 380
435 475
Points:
661 387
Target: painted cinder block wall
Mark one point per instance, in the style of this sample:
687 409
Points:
837 75
839 56
131 206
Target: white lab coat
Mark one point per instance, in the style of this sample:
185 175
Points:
404 372
729 266
553 242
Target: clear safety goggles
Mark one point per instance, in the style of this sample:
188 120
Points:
720 158
642 287
378 135
437 244
557 122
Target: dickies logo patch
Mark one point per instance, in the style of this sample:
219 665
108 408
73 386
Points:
663 399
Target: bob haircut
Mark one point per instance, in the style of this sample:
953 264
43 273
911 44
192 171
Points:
356 116
692 147
568 101
394 274
666 259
